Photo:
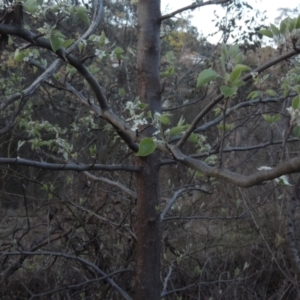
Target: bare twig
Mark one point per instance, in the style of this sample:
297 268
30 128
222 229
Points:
66 166
193 6
69 256
262 236
77 286
167 279
171 202
111 182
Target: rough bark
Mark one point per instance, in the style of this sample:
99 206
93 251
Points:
148 53
147 284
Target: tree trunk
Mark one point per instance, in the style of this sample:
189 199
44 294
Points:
147 282
148 230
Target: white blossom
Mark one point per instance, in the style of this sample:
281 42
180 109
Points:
295 115
264 168
282 180
100 53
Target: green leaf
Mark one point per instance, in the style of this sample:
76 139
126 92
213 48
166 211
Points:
296 88
164 119
276 118
67 43
178 129
20 144
56 76
181 121
227 127
246 265
286 92
217 111
254 94
193 138
54 8
168 72
81 13
58 33
239 58
118 51
10 41
274 29
170 57
222 61
292 24
94 69
235 75
18 57
31 6
265 77
35 52
266 32
102 39
44 62
206 76
142 105
93 37
233 50
296 131
55 43
239 83
224 51
267 118
122 92
199 175
297 25
241 67
296 102
226 78
283 26
228 91
81 47
271 93
146 147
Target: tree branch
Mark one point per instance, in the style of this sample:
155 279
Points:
219 98
241 149
170 203
16 30
234 108
67 166
17 264
120 126
191 7
111 182
83 100
288 167
231 149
